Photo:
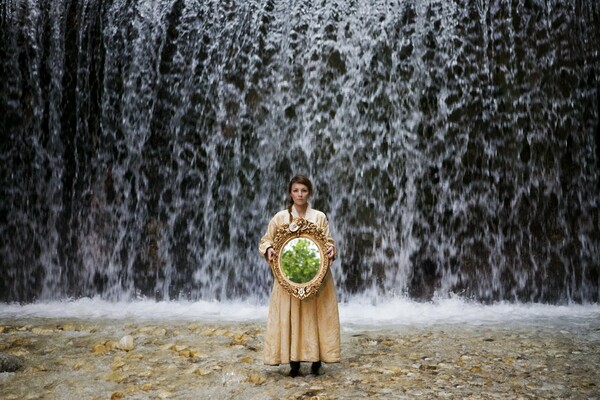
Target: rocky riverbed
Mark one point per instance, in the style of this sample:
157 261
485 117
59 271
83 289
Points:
115 359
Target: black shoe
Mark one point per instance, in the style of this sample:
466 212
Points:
315 367
294 368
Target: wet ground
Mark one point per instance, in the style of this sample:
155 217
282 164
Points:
104 359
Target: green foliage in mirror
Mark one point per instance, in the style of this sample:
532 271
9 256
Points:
300 260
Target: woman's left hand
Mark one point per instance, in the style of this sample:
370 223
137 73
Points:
330 251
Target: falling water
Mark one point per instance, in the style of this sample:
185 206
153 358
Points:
454 145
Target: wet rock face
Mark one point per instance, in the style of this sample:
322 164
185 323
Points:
10 363
425 280
183 360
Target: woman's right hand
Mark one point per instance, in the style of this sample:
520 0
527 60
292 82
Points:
270 254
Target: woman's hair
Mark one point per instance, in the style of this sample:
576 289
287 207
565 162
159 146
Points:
303 180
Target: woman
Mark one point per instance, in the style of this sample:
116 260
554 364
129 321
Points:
301 330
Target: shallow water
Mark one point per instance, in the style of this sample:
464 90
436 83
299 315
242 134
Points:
503 351
363 312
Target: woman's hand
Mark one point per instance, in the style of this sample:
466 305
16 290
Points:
270 254
330 251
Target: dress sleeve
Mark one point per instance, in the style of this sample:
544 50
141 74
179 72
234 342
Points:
324 224
267 240
329 238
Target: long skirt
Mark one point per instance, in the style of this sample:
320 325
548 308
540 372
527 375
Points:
303 330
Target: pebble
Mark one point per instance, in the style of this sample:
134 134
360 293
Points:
256 379
178 348
126 343
99 348
42 331
10 363
159 332
164 394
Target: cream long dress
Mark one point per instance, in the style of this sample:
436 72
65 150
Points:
301 330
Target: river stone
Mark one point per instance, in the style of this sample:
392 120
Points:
256 379
10 363
42 331
99 348
159 332
126 343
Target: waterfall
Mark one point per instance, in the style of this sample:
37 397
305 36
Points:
454 145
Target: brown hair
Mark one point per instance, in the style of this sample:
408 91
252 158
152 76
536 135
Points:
303 180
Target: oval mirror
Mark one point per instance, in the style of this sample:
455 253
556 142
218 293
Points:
300 263
300 259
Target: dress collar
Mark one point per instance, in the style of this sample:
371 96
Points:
309 216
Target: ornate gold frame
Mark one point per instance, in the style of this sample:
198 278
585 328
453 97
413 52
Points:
299 228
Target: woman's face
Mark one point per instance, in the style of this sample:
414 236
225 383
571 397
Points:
299 194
